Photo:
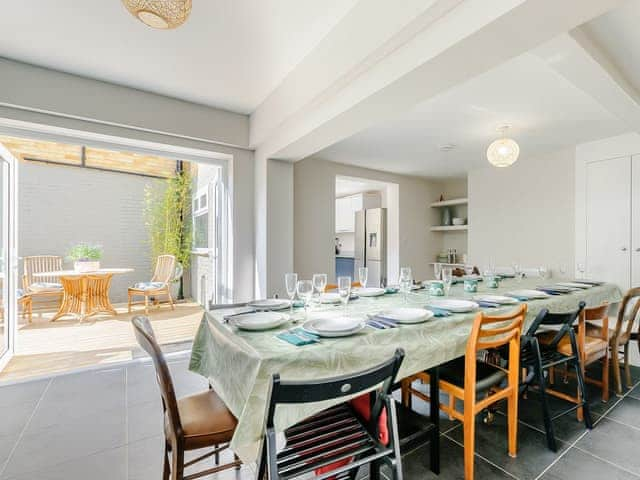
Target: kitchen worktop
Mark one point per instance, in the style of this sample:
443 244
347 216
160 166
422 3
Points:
345 255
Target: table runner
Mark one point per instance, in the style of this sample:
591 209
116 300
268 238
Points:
239 364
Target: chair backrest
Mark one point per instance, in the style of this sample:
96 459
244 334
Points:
494 332
41 264
287 392
165 269
147 340
564 320
627 313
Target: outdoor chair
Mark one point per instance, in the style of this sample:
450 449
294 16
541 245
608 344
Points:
47 286
159 285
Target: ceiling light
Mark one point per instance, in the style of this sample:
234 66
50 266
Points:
504 151
162 14
447 147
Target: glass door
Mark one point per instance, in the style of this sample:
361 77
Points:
8 256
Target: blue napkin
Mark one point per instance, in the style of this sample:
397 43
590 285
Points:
487 304
391 290
298 337
519 297
439 312
386 322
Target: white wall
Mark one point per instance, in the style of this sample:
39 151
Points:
314 216
523 213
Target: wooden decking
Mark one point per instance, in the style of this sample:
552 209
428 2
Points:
45 348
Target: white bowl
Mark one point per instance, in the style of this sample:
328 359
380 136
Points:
458 221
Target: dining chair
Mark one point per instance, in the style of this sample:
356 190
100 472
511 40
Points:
480 383
591 348
338 441
160 283
541 354
334 286
191 423
619 336
47 286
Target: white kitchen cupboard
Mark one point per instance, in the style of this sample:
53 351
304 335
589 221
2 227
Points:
346 208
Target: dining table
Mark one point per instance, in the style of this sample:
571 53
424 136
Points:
85 293
239 364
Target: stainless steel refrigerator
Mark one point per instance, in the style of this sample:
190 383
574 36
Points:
371 245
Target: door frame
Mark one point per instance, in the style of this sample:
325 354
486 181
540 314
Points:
11 237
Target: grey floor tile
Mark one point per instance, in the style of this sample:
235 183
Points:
533 456
21 393
16 418
627 411
144 459
7 442
144 420
614 442
580 465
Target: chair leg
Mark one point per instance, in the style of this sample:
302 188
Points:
605 378
548 425
146 305
512 419
405 392
583 395
434 416
217 456
469 427
615 360
627 369
170 300
177 464
129 302
166 469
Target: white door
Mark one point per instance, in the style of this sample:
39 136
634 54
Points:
8 255
635 221
608 222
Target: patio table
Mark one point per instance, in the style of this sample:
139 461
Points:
85 293
239 364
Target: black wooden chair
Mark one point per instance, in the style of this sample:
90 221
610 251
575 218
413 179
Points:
337 437
539 358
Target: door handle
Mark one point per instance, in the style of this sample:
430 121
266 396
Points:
624 249
638 249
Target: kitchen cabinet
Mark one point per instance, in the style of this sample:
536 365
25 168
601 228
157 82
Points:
346 208
344 267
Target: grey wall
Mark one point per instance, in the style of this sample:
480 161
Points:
60 206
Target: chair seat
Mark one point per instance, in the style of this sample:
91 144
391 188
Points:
205 419
42 287
487 376
148 286
592 345
595 330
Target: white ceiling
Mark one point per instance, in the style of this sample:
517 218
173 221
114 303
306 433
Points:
230 53
546 111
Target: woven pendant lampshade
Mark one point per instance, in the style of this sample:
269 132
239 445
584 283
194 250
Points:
504 151
162 14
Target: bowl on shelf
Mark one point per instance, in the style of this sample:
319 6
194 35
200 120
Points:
458 221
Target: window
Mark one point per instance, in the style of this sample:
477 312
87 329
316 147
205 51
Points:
200 219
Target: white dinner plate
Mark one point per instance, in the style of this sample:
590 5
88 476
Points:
583 286
406 315
370 291
530 294
259 320
270 304
330 298
334 327
501 299
453 305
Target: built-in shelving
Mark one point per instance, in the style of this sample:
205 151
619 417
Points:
449 203
449 228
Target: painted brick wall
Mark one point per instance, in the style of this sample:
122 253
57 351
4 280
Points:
60 206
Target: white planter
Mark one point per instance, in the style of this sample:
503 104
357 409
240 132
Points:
83 266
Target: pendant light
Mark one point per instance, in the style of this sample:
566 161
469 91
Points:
504 151
161 14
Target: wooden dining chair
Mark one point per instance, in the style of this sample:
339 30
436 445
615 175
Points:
191 423
334 286
478 383
159 285
619 336
541 354
338 441
48 286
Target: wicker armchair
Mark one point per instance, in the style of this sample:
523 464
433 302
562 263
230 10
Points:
42 287
159 284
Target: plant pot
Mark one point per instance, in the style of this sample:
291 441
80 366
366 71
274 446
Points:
86 266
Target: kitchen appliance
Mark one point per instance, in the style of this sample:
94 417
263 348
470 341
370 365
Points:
371 244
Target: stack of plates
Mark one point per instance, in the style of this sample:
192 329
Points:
270 304
370 291
575 285
453 305
499 299
406 315
330 298
258 321
334 327
528 294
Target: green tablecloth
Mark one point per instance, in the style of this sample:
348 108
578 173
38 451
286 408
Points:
239 364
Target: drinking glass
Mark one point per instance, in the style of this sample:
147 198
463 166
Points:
581 271
447 278
543 272
319 284
344 290
291 283
468 270
363 273
562 268
305 291
437 270
406 281
517 271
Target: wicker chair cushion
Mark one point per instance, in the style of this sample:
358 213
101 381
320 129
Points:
148 285
45 287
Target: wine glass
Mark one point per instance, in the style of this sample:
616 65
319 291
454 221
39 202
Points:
437 270
291 283
517 271
344 290
406 281
319 284
363 273
562 268
447 278
305 291
581 271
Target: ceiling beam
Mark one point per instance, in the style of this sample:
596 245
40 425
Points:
445 45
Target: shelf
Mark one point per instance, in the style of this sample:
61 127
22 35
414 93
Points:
448 203
450 228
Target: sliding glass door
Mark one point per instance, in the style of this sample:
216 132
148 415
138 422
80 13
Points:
8 256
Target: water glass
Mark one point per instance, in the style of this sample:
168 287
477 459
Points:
319 284
517 271
363 273
406 281
437 270
305 292
344 290
291 283
447 278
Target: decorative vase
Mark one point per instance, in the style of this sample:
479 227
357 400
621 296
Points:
471 286
446 216
85 266
436 288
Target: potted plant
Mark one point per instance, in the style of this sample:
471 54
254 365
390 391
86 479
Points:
85 257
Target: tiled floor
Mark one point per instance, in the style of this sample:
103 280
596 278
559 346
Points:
107 425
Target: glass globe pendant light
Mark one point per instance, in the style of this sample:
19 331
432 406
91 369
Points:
504 151
162 14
